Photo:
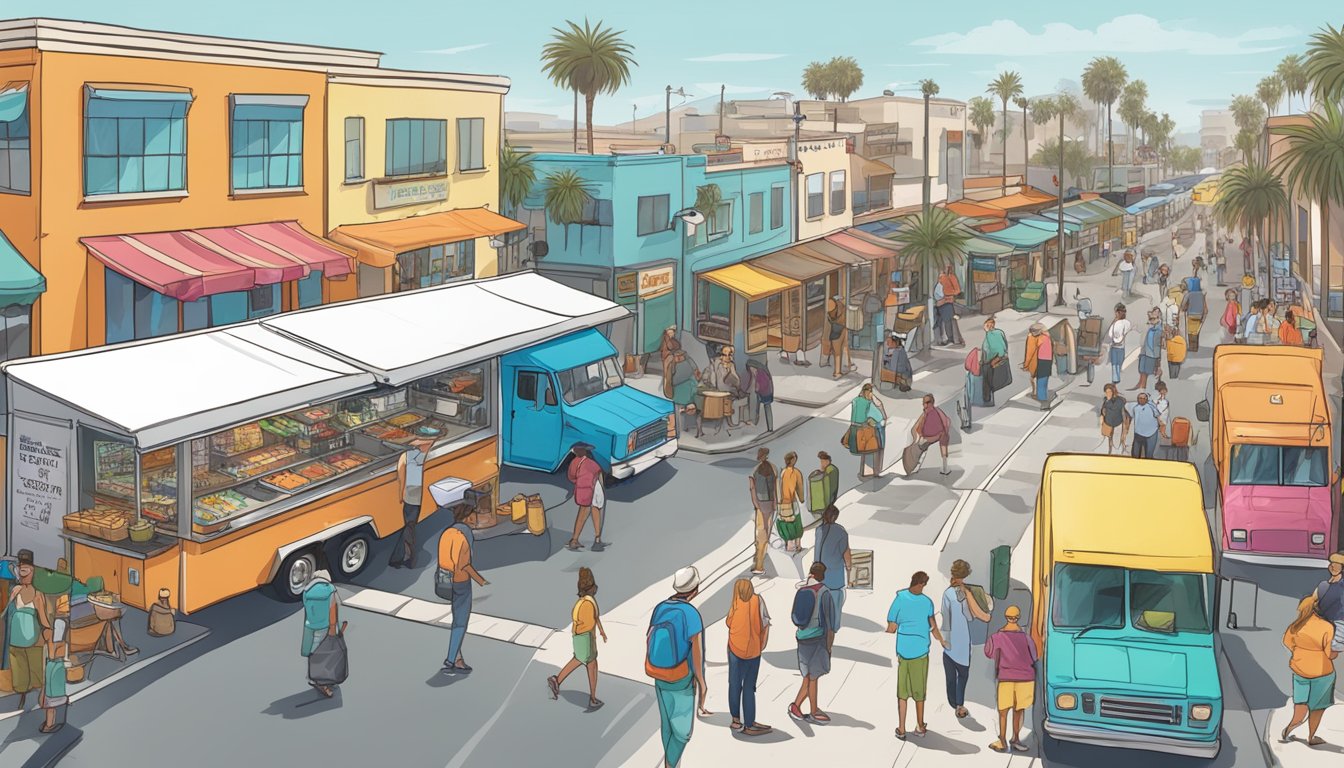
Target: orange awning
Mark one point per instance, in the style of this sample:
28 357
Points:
1027 198
378 243
973 210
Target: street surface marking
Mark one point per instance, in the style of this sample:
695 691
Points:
432 614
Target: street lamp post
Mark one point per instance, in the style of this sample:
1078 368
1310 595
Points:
667 112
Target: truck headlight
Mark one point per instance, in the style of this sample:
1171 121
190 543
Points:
1066 701
630 444
671 426
1201 712
1317 539
1238 534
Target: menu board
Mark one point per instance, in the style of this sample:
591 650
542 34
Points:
40 451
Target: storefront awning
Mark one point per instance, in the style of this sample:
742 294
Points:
167 390
794 263
1091 212
379 242
828 251
1145 204
19 282
1021 236
861 167
1049 223
745 280
1028 198
406 336
972 209
188 264
863 247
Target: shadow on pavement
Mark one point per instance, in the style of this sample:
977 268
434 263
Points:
940 743
1260 689
304 704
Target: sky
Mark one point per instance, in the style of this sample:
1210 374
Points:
1193 54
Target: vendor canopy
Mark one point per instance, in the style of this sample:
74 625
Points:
1022 236
379 242
167 390
19 282
406 336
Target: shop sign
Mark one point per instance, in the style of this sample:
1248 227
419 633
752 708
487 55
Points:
902 294
765 151
983 264
655 281
391 194
626 282
41 478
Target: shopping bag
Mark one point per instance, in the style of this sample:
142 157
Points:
599 494
817 497
847 439
911 455
536 515
865 438
329 663
518 509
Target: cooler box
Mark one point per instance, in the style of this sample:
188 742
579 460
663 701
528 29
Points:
449 491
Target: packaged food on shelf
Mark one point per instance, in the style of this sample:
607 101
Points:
313 415
238 440
163 457
389 402
214 506
404 420
389 434
348 460
204 479
286 481
316 471
259 462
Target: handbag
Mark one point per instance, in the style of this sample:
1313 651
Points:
329 663
443 584
865 438
997 360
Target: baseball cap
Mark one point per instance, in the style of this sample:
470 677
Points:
1337 557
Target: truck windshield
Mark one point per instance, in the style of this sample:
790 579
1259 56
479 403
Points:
584 381
1089 596
1171 602
1278 465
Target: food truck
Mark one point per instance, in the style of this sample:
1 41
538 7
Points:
1271 448
1124 605
215 462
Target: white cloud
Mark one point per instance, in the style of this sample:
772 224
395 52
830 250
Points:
739 57
1134 33
922 66
458 49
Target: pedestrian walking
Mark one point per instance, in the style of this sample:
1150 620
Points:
411 481
1112 417
1231 321
1195 307
58 655
933 425
830 481
1115 337
791 497
1170 309
1220 263
668 346
838 337
763 485
1252 330
1176 350
1288 332
675 659
995 372
761 392
814 615
1144 422
1039 360
25 618
1246 256
1152 270
959 608
1175 244
945 294
456 573
1150 355
1268 324
896 361
1330 599
1161 403
867 435
830 543
585 474
1125 268
586 620
1308 640
1163 275
748 632
1014 655
321 617
911 619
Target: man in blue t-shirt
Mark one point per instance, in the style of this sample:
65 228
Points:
911 619
676 688
831 545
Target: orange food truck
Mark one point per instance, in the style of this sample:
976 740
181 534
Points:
215 462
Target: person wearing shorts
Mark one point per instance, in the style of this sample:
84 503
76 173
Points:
1014 655
912 619
586 620
1309 640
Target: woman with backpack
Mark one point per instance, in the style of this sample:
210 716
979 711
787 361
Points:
748 631
814 615
761 393
586 621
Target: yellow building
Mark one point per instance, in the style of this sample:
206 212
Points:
413 182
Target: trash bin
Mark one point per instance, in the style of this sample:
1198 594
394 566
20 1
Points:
1000 559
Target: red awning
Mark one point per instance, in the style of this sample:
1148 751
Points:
192 263
863 247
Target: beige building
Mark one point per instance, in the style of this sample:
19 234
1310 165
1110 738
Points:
1217 132
1306 227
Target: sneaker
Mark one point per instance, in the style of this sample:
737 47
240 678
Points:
1018 746
796 713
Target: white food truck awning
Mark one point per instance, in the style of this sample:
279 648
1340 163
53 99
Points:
166 390
406 336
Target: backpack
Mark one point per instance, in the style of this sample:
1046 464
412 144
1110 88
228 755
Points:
806 612
668 646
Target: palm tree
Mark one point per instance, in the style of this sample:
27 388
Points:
708 198
1270 92
1249 196
1163 131
1133 106
1325 64
1023 104
593 59
1293 72
843 77
1061 106
1249 115
1008 85
1314 162
815 81
1078 162
517 174
980 112
1103 82
929 89
563 72
566 196
932 239
1246 143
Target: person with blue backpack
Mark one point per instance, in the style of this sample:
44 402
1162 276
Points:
675 659
814 614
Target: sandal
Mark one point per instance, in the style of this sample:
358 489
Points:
554 684
58 726
999 746
1316 741
900 734
736 725
573 546
594 704
921 730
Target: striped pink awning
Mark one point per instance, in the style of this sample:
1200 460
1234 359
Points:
191 263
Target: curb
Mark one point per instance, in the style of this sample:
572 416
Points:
762 437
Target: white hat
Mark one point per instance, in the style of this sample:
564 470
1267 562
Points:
686 580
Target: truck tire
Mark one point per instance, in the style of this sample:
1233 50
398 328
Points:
294 574
349 554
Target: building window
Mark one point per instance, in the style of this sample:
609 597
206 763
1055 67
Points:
721 224
310 290
16 332
597 213
263 300
816 196
837 192
416 146
776 207
268 142
134 141
470 143
354 148
136 312
654 214
15 160
436 265
756 217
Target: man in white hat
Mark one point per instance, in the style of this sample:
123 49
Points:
675 659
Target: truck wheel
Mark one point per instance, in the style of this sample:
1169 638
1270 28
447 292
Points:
350 555
294 574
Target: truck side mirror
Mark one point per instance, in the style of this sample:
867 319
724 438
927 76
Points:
550 396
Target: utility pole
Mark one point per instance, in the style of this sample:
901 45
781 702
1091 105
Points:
634 109
721 90
927 192
667 118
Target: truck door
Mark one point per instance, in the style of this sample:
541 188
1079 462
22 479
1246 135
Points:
534 420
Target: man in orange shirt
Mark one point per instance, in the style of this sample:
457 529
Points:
945 299
455 568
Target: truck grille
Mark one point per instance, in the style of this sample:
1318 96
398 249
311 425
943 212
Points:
1141 711
650 434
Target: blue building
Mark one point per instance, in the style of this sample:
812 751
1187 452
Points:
631 247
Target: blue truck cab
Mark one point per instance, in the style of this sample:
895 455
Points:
570 390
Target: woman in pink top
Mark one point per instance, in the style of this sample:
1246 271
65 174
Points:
586 475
